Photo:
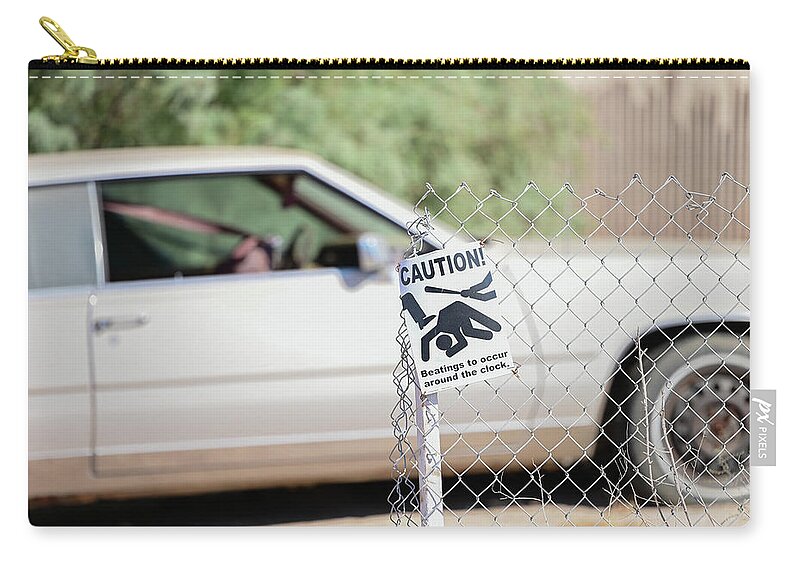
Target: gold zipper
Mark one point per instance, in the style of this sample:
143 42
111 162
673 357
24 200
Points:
75 54
72 52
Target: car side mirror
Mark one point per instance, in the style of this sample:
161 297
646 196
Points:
374 253
369 253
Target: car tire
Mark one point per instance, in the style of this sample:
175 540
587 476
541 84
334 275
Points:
688 431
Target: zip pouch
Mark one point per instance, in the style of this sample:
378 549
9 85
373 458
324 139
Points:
436 292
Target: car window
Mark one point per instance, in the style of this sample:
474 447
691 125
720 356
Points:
61 247
218 224
350 211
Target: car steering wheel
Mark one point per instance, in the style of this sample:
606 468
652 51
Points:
297 253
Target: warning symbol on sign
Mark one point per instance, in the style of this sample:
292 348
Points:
454 342
454 322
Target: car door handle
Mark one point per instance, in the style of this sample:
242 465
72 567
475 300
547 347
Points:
123 323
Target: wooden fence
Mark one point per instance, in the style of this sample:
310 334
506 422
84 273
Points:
693 129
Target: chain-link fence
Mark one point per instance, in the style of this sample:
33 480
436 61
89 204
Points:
629 328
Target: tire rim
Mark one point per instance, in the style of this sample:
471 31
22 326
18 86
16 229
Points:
700 425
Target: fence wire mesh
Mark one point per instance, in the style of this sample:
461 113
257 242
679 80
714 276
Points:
629 320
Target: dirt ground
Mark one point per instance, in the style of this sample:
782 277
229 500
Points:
556 515
471 501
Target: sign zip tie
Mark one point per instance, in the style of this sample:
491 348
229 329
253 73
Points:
488 239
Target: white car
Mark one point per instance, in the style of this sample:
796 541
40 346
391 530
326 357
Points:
221 318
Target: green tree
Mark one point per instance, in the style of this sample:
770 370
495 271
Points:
398 134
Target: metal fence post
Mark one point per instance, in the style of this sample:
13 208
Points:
431 504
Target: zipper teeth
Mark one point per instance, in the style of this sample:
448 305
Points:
441 63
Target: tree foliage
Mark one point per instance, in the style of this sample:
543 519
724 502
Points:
397 133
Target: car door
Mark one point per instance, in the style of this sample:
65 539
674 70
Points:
200 367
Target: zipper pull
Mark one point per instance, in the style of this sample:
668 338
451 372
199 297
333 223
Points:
72 52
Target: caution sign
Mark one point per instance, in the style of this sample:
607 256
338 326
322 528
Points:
453 318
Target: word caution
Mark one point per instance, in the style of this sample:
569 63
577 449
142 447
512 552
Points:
442 266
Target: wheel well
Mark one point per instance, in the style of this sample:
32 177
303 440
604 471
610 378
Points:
623 384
